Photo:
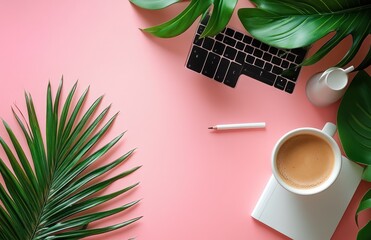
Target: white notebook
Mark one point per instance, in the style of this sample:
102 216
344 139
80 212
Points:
308 217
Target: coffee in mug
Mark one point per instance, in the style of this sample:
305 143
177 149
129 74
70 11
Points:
307 160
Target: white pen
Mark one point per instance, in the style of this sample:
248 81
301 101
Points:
238 126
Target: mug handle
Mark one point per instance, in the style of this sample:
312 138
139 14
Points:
329 129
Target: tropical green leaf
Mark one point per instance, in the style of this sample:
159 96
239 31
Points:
354 119
182 22
51 199
22 158
82 220
220 16
154 4
293 24
221 13
88 204
20 174
364 204
367 173
364 233
90 232
354 128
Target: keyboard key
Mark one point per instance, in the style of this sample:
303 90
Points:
198 40
273 50
230 53
299 59
282 53
290 57
293 66
233 74
240 46
264 47
241 57
229 41
251 70
258 74
200 29
258 53
211 64
250 59
268 66
292 72
222 70
276 60
249 49
294 77
296 68
208 43
196 59
218 48
289 87
238 35
280 83
299 51
256 43
267 77
205 19
285 64
219 37
267 57
259 63
277 70
247 39
229 32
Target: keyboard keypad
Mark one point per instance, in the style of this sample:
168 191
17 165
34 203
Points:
231 53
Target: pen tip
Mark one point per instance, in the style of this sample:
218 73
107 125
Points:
210 128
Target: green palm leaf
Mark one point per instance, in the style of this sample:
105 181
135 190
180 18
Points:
42 202
220 16
293 24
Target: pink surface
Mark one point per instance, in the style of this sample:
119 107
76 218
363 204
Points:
195 184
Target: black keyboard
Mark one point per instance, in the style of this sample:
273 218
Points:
231 53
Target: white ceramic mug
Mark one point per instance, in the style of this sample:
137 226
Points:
325 134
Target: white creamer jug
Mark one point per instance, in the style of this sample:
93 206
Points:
325 88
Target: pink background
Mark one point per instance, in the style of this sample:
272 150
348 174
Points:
195 184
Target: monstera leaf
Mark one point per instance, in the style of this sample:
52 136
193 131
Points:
299 23
354 127
354 119
155 4
54 196
220 15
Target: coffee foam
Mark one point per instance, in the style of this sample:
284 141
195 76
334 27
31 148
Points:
305 161
304 185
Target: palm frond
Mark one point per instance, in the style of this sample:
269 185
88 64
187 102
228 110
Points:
42 202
